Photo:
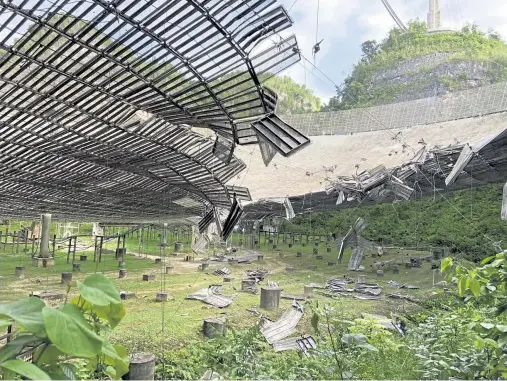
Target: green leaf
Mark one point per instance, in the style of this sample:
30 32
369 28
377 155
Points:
14 347
475 287
25 369
99 290
462 284
446 262
502 328
112 313
69 370
368 346
47 355
356 339
25 312
315 322
117 357
487 326
67 328
488 259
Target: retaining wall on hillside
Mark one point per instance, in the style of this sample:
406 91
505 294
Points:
463 104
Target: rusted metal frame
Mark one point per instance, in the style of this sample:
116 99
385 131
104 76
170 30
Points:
108 124
162 42
126 68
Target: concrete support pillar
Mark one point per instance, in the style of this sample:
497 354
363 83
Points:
142 367
44 240
213 327
270 298
308 291
163 240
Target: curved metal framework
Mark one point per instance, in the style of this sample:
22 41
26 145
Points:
97 99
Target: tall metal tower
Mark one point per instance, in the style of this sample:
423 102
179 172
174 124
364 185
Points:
434 15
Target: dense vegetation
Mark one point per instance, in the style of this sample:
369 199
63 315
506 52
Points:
466 221
468 49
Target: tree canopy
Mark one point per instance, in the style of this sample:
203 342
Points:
371 84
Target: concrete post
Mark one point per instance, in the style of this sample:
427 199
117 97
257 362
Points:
164 235
213 327
308 291
142 367
270 298
44 239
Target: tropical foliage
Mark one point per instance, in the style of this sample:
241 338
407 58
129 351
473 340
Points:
468 45
68 342
468 221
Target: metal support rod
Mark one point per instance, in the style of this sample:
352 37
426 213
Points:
68 251
95 250
74 249
54 245
44 239
100 248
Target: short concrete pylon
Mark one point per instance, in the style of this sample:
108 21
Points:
142 367
308 291
122 273
19 271
66 277
162 297
213 327
169 269
76 267
270 298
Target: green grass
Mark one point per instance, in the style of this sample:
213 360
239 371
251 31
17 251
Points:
181 319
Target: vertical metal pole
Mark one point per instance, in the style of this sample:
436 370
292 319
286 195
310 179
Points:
26 242
95 250
68 251
74 249
100 248
54 245
1 238
13 237
17 242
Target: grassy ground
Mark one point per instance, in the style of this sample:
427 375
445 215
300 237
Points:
179 320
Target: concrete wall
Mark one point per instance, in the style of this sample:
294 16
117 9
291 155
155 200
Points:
460 105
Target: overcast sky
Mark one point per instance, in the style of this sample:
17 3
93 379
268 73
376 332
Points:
345 24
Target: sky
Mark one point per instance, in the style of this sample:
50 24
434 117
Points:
345 24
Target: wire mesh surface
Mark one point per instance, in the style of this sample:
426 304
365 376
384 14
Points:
97 98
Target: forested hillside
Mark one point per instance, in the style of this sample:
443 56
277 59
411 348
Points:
466 221
416 64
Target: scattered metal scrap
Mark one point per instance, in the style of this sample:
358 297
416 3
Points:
259 274
211 295
292 297
368 289
385 322
337 285
402 296
272 283
249 285
303 344
222 272
283 327
359 244
395 284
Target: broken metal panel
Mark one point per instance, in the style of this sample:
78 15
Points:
285 326
279 135
206 221
268 152
304 344
356 258
116 142
223 149
464 158
241 193
232 219
504 203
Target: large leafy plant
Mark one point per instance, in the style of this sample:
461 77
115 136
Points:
485 287
64 339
